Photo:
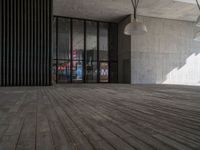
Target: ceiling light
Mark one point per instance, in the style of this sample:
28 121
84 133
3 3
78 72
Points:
197 37
135 27
192 2
186 1
198 20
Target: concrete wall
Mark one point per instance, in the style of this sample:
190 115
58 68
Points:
167 54
124 53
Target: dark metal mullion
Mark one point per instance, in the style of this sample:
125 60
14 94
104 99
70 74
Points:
14 42
17 42
76 18
25 44
56 50
41 41
11 43
36 47
71 49
84 62
1 39
3 44
69 59
50 16
34 39
109 53
49 40
117 54
98 61
22 44
38 42
31 65
7 43
20 48
29 41
44 45
46 51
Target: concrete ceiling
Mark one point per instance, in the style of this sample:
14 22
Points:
115 10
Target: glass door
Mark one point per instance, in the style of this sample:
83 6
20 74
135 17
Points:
104 72
91 52
63 55
78 51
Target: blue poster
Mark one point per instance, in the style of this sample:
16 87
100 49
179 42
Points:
79 72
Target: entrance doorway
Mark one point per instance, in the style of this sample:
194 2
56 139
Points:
84 51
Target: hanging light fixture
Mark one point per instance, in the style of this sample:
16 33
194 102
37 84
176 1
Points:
198 20
197 36
135 27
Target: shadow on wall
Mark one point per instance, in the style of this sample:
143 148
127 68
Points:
167 54
188 74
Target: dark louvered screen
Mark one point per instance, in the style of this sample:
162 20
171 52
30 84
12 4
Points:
25 42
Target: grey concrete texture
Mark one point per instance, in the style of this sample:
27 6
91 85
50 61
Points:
115 10
124 53
167 54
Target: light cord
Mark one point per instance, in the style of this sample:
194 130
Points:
198 4
135 6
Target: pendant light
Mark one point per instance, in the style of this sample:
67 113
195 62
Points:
197 36
135 27
198 20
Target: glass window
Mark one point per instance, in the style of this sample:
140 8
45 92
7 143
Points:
113 42
54 39
91 41
91 72
63 71
80 63
77 71
103 41
54 70
104 72
78 40
63 38
113 72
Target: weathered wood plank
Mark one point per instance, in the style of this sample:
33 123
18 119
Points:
100 117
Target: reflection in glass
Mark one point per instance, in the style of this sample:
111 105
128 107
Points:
113 42
113 72
104 72
91 41
63 38
54 70
80 63
54 39
103 41
77 71
91 72
78 40
63 71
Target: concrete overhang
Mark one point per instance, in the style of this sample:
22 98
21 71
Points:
115 10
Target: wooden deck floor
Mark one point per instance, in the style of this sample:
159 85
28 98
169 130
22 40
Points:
100 117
